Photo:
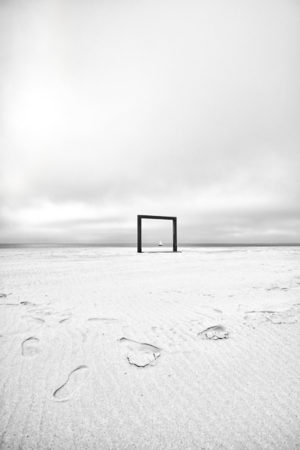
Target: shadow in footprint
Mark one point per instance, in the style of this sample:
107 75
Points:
37 319
66 319
30 346
214 333
26 303
140 354
75 379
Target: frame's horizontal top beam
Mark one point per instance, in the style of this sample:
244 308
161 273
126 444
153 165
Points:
144 216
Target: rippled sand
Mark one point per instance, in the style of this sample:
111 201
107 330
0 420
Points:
110 349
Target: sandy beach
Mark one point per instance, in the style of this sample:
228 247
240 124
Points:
104 348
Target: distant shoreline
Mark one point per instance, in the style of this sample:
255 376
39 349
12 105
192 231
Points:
133 245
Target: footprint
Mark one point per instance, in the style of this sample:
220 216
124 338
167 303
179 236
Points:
30 346
276 317
214 333
275 288
48 312
283 317
140 354
38 319
3 295
75 379
28 303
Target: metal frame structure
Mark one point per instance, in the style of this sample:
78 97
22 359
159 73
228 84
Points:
139 229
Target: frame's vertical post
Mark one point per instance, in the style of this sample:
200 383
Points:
139 234
175 234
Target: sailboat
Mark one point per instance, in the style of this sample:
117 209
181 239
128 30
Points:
160 244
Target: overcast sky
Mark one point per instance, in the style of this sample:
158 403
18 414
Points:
111 109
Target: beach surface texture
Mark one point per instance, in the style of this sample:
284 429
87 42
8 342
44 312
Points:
104 348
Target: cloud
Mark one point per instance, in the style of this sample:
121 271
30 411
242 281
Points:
113 109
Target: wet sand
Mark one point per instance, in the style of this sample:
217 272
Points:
105 348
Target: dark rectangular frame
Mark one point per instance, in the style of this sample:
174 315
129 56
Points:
139 229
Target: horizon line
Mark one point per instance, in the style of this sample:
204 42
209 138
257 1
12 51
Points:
129 244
